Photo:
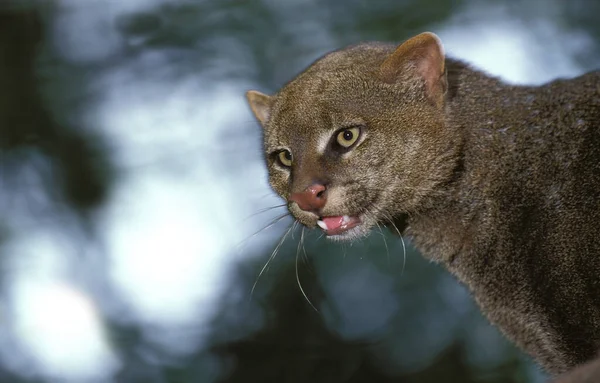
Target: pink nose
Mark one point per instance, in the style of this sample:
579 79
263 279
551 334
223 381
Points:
311 199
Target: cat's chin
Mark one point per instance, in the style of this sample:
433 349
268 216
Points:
356 232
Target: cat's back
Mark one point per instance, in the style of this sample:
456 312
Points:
536 160
563 134
536 135
544 151
576 101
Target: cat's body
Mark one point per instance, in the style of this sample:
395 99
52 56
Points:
499 183
520 223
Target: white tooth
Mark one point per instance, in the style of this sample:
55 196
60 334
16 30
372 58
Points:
322 224
345 219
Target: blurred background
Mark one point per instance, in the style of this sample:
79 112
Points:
136 218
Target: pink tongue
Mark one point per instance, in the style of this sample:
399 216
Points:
333 222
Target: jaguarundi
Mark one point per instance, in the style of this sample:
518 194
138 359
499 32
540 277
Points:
499 183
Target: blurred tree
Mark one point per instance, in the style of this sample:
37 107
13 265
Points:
78 163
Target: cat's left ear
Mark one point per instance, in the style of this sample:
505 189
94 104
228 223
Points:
260 104
422 55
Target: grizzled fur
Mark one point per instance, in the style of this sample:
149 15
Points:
499 183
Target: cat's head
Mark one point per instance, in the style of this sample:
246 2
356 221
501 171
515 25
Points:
359 137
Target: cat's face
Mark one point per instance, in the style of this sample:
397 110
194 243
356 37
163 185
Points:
348 150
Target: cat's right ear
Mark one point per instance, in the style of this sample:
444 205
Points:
260 104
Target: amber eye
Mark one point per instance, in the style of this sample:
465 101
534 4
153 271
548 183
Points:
285 158
347 137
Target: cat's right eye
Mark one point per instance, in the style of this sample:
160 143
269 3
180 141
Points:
285 158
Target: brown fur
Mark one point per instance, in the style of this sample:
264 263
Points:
587 373
499 183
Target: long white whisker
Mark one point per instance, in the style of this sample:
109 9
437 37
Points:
387 250
298 276
264 210
273 254
305 257
403 244
271 224
403 256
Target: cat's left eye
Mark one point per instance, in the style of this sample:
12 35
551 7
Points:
347 137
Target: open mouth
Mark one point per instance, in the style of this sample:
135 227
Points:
335 225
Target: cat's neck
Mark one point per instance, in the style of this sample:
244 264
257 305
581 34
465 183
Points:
454 218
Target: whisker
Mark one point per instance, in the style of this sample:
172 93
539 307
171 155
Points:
391 221
269 225
298 276
403 256
266 209
371 215
387 250
265 195
305 257
273 254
